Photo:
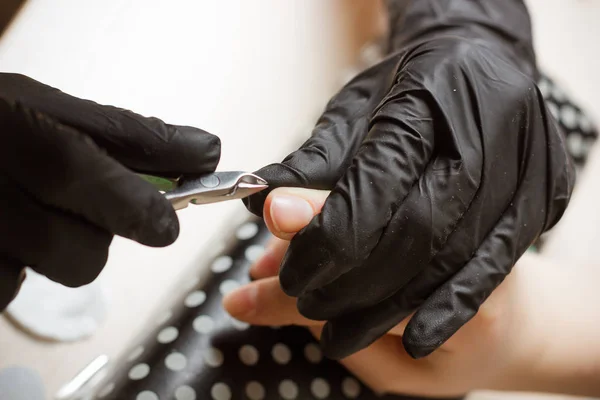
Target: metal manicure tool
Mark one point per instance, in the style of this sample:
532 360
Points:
210 188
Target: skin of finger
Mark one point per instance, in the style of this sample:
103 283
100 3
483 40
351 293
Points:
386 368
315 198
445 373
268 264
271 298
271 306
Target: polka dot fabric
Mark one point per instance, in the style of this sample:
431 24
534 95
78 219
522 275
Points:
196 351
579 130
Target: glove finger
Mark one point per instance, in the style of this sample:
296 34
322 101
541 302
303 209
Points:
525 175
416 232
141 143
507 240
356 213
322 159
66 170
60 246
495 249
12 275
458 300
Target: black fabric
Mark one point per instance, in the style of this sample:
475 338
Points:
444 166
67 183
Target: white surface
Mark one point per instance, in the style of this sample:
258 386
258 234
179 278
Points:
256 73
56 312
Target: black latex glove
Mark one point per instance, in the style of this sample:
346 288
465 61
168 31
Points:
444 166
67 183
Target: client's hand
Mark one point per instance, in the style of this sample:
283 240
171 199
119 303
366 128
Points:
511 344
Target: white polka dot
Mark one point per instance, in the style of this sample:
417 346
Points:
576 145
147 395
139 371
313 353
585 123
195 298
350 388
203 324
221 264
239 325
165 316
213 357
553 110
544 87
568 116
247 231
558 94
255 391
220 391
228 286
288 389
370 54
175 361
167 335
281 353
135 353
185 393
320 388
248 355
106 390
253 252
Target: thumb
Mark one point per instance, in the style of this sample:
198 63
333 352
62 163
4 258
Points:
288 210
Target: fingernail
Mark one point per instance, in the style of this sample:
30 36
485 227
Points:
241 302
290 213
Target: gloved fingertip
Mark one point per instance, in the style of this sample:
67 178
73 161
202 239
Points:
160 227
416 352
414 347
330 346
189 151
255 203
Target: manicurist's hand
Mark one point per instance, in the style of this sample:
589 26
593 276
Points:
68 181
539 331
444 166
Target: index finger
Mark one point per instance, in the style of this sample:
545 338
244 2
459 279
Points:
144 144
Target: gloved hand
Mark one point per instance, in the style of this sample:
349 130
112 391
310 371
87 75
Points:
444 165
67 183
